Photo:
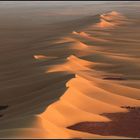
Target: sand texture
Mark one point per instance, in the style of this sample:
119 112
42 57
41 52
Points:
75 78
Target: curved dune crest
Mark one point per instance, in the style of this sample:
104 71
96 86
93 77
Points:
112 16
88 36
89 95
105 24
81 34
111 19
91 76
72 64
41 57
82 101
80 46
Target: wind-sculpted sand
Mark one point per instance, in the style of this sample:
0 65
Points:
88 77
110 20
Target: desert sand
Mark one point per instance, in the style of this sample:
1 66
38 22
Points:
74 76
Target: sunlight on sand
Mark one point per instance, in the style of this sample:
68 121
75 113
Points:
110 20
92 75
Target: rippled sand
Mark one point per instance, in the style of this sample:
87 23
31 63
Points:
86 70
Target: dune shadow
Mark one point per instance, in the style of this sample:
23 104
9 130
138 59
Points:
122 124
3 108
114 78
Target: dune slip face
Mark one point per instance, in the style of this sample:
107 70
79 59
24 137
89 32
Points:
81 81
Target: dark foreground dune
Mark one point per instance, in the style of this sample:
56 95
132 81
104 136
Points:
70 71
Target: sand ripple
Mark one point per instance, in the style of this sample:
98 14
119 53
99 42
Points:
92 71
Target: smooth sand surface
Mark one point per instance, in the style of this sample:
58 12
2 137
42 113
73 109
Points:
61 77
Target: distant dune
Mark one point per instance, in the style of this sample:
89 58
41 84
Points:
75 78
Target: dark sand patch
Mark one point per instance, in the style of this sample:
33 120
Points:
122 124
2 108
114 78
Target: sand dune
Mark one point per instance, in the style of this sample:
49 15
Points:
111 19
94 96
41 57
87 71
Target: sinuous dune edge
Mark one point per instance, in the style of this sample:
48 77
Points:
98 67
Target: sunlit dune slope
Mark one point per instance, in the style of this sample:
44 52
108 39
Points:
87 72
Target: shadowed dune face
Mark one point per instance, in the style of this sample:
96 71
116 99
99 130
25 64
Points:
122 124
3 108
71 72
94 94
